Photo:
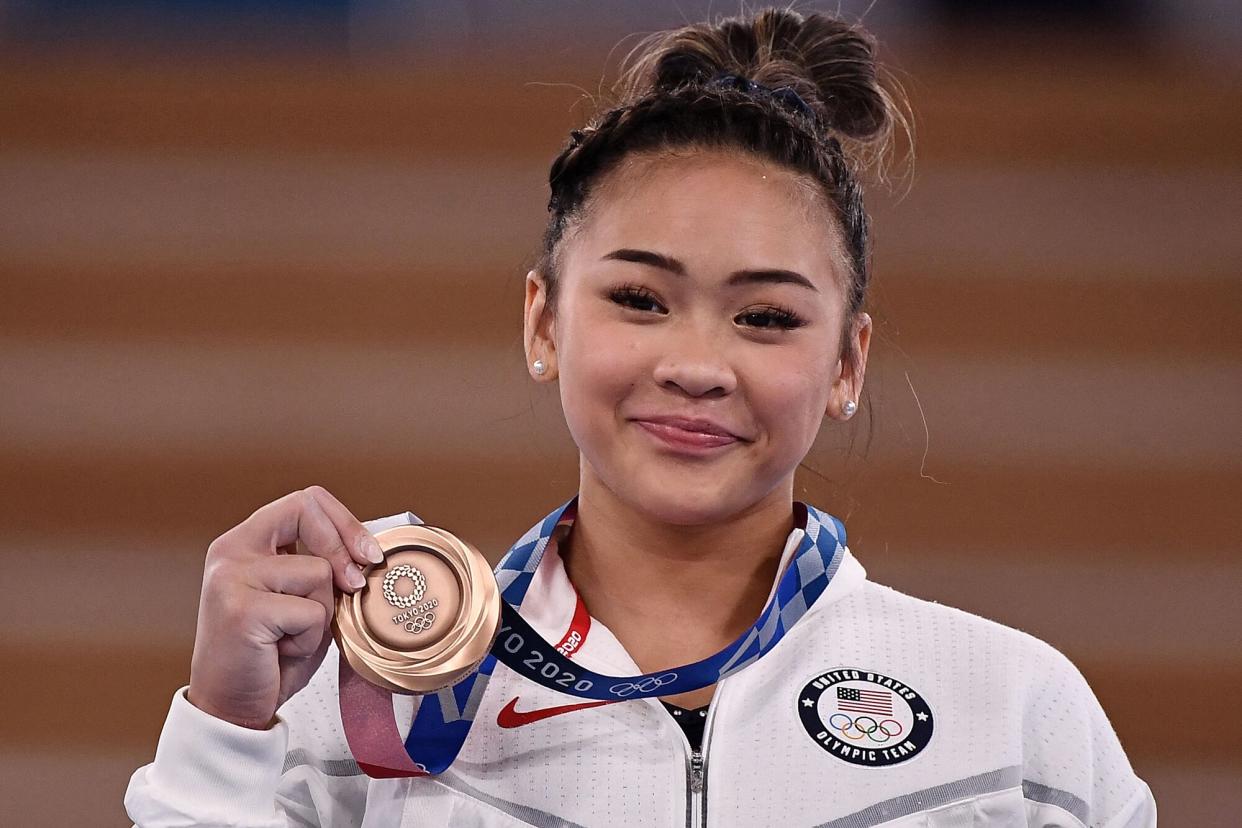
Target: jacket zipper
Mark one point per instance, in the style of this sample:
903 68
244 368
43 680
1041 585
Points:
694 790
696 770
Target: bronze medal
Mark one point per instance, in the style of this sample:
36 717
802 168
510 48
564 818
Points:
427 615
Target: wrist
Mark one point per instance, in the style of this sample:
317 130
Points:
250 719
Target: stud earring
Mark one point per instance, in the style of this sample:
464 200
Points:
849 408
539 366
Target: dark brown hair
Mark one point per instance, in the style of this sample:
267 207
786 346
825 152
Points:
674 94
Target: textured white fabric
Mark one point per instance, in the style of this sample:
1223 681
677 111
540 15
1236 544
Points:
1019 740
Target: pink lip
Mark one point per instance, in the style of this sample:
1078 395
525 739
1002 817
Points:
686 435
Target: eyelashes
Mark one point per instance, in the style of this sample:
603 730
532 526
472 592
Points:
631 296
769 317
776 317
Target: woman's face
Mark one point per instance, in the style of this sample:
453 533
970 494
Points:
707 286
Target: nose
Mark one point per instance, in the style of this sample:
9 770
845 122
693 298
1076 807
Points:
696 365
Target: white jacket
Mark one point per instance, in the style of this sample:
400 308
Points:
944 719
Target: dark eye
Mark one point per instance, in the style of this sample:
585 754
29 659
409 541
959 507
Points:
772 318
634 297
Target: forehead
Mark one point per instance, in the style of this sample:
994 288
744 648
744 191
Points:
718 211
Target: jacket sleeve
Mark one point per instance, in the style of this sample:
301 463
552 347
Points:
1074 763
210 772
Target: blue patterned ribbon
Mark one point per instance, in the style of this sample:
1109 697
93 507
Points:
443 720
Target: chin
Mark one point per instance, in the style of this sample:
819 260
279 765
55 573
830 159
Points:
681 500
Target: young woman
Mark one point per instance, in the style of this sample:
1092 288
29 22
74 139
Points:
700 305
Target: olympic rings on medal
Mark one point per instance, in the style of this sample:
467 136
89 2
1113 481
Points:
421 623
390 582
866 726
648 684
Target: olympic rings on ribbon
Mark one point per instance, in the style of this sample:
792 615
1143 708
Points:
644 686
866 726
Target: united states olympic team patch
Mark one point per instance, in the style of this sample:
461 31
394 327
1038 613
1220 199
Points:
865 718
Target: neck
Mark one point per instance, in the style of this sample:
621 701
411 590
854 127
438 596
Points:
673 594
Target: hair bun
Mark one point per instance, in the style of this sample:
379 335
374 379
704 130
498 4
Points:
678 68
828 62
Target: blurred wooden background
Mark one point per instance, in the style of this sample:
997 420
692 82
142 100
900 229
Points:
220 282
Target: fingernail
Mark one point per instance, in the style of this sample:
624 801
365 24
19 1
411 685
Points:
353 576
372 551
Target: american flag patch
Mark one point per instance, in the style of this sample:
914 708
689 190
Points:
853 700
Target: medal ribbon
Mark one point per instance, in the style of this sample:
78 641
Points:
444 718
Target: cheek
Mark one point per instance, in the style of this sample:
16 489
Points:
792 403
600 364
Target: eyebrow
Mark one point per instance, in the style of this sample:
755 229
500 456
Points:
763 276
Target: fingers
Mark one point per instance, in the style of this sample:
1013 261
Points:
294 624
325 527
307 576
362 544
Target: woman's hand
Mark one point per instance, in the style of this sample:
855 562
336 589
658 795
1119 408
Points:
265 612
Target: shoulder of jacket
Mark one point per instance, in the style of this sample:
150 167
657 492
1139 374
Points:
1072 757
960 628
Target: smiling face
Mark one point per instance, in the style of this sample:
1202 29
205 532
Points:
707 287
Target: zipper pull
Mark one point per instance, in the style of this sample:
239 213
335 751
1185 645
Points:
696 771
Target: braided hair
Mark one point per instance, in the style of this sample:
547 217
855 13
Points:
800 91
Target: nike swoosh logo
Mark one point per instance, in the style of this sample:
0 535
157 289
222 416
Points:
510 716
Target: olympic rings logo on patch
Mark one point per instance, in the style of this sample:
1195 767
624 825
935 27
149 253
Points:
865 727
863 717
420 624
390 586
646 685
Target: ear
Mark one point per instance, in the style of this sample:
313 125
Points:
539 329
850 374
